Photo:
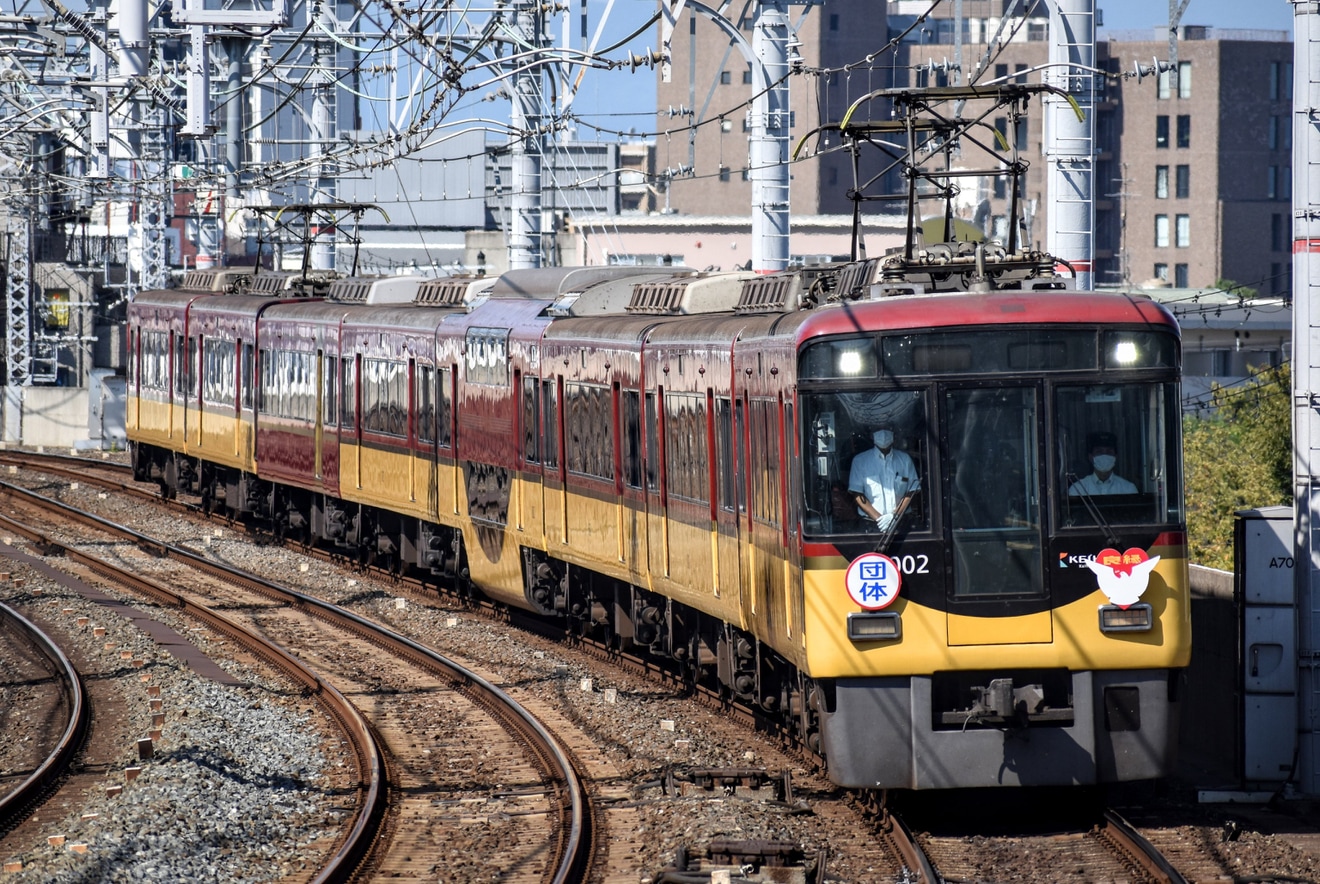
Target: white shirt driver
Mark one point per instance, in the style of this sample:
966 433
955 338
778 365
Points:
884 479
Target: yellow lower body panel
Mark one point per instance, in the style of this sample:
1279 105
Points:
1066 637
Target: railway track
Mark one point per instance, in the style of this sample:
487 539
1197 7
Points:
569 811
1091 850
58 694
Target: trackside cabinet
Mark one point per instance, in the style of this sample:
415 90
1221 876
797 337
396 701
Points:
1267 614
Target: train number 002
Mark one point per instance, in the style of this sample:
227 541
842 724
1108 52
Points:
918 564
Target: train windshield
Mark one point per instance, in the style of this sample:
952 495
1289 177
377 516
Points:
1117 454
879 463
867 464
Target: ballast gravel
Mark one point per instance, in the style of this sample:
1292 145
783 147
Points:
235 790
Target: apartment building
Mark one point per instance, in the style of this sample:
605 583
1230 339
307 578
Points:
1192 172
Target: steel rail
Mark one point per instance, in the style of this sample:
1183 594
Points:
574 833
18 801
1124 837
372 789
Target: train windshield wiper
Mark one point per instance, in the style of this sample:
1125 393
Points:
899 512
1091 506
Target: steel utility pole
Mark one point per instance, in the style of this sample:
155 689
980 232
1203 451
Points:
1306 383
1069 141
769 140
527 143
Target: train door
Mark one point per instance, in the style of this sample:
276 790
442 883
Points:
318 418
194 417
995 521
728 516
428 438
657 525
328 435
743 492
634 509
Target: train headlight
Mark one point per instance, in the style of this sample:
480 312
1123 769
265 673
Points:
1125 353
880 626
1134 618
850 363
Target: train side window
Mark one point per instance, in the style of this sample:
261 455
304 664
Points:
589 430
176 364
740 441
348 413
549 425
384 397
264 399
687 468
330 391
425 396
652 446
444 410
217 372
531 423
764 462
632 431
246 379
728 470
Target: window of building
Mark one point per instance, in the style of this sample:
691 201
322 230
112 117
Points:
1276 278
747 77
1184 130
1162 130
1285 183
1162 272
1273 138
1162 87
1161 232
1184 79
1280 81
1161 182
1180 276
1184 231
1182 182
1019 76
724 173
1278 232
834 22
726 77
1001 71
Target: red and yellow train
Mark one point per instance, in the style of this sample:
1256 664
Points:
661 458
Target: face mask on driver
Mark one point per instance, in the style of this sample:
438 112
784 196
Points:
883 438
1103 463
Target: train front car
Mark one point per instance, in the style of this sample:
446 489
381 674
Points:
1012 609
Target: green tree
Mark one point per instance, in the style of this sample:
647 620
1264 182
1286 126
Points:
1239 458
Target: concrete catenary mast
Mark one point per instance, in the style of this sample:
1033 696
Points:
527 143
769 145
1306 381
1070 141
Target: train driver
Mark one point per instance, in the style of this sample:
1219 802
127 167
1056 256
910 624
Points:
1102 452
880 477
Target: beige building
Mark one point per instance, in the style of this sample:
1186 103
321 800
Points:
1192 177
709 95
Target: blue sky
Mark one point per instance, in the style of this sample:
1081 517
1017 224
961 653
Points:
1268 14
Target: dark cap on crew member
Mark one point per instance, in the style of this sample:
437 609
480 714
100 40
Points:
1102 439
